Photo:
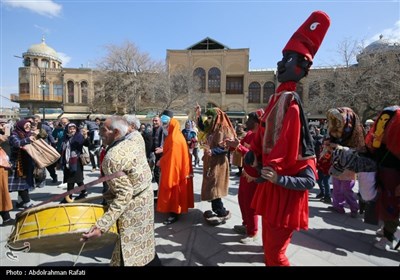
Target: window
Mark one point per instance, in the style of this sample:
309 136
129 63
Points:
70 87
24 88
269 90
234 85
57 89
44 63
199 76
214 80
254 92
84 92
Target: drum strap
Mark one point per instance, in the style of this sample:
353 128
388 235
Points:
83 187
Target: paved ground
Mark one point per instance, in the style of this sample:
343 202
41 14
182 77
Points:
332 239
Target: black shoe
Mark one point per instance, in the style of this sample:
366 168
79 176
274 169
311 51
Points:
82 195
326 200
320 195
55 180
170 220
24 205
8 222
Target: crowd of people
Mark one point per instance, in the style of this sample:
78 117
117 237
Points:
279 155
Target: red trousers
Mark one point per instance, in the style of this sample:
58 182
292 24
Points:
245 196
275 242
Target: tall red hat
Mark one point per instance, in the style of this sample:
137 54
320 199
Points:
307 39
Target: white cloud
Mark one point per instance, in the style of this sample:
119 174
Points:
44 7
391 34
64 58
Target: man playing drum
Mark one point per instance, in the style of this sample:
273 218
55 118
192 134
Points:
130 198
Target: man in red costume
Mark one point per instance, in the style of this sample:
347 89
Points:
283 145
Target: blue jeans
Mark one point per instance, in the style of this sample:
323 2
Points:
323 183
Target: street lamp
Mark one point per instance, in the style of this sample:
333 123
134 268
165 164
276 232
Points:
43 86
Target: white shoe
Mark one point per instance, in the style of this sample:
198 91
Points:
249 239
379 232
385 244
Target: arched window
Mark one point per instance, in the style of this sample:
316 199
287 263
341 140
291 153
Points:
70 87
199 76
269 89
84 92
214 80
254 92
44 63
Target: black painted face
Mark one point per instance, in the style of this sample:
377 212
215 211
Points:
292 67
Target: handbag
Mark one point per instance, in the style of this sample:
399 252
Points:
42 153
85 158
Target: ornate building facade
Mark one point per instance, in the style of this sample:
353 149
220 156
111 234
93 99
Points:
224 75
48 89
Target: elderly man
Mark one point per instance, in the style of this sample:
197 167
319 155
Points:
130 197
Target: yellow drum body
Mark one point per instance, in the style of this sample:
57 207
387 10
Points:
58 228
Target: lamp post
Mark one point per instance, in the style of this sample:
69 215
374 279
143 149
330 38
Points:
43 85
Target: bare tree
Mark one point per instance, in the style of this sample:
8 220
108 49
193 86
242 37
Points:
368 87
124 74
181 90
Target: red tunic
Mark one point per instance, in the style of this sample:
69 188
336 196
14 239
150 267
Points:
281 149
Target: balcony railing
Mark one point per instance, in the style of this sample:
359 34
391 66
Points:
28 97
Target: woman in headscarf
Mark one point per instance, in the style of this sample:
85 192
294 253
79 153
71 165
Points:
70 159
21 176
175 194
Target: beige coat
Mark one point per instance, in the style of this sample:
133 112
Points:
215 170
132 203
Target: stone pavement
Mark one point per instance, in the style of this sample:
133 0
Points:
332 239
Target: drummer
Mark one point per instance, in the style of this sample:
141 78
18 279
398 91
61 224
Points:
130 198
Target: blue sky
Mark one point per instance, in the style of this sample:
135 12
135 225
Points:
79 30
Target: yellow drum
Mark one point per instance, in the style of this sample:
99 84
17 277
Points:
58 228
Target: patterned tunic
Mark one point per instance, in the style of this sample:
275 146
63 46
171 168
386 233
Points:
132 203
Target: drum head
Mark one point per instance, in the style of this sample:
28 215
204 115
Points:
58 228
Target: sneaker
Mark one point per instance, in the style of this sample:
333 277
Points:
24 205
320 195
94 169
327 200
81 195
379 232
249 239
227 216
241 229
385 244
8 222
170 220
